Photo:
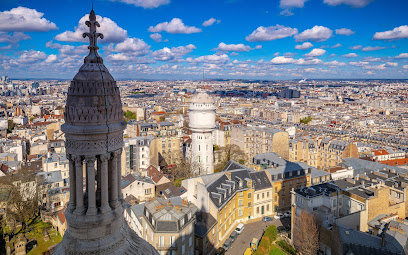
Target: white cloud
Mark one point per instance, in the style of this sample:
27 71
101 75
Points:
397 33
110 30
31 56
371 48
211 59
258 47
233 47
175 26
67 50
392 64
375 67
282 60
156 37
353 3
317 33
135 46
356 47
344 31
304 46
316 53
271 33
118 57
338 45
292 3
51 58
210 22
402 55
286 12
24 19
359 63
350 55
335 63
174 53
405 66
13 38
147 4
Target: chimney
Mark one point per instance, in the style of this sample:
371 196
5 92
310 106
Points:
383 235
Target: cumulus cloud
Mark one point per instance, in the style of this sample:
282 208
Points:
350 55
51 58
13 38
317 33
335 63
397 33
371 48
271 33
287 60
211 59
356 47
31 56
282 60
174 53
338 45
134 46
22 19
304 46
344 31
286 4
111 31
156 37
175 26
392 64
352 3
233 47
147 4
402 55
210 22
68 50
316 53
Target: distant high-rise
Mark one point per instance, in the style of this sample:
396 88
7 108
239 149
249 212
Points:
202 123
94 139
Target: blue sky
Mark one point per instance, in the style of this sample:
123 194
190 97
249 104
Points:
179 39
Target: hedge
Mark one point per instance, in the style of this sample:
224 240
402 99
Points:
286 247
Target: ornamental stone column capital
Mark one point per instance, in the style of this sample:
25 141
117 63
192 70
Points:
77 159
90 159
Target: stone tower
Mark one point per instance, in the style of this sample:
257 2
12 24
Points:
94 139
202 123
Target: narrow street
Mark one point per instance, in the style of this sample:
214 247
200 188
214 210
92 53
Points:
251 230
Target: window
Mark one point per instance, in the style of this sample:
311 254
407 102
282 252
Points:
148 191
240 202
276 198
182 222
257 196
172 241
267 194
249 195
257 210
240 213
190 241
183 249
263 195
161 241
183 236
249 204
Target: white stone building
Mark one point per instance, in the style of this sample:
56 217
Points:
202 123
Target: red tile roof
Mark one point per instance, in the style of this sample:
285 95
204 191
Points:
380 152
395 162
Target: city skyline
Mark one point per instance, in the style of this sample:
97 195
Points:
169 39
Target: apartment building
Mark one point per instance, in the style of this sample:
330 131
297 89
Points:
254 140
168 225
141 188
136 154
262 194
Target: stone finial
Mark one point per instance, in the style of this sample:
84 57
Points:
93 56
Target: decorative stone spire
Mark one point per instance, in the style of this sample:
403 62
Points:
93 56
94 140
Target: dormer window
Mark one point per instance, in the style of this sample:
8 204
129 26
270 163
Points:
240 184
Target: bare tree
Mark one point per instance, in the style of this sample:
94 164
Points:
181 167
22 201
230 152
306 234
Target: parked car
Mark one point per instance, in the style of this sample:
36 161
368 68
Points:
278 216
240 228
267 218
227 244
234 235
287 214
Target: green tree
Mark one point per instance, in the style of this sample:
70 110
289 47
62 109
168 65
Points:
306 120
230 152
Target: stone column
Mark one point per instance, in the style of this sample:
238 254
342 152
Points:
80 209
98 182
119 167
114 181
104 183
90 169
72 186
